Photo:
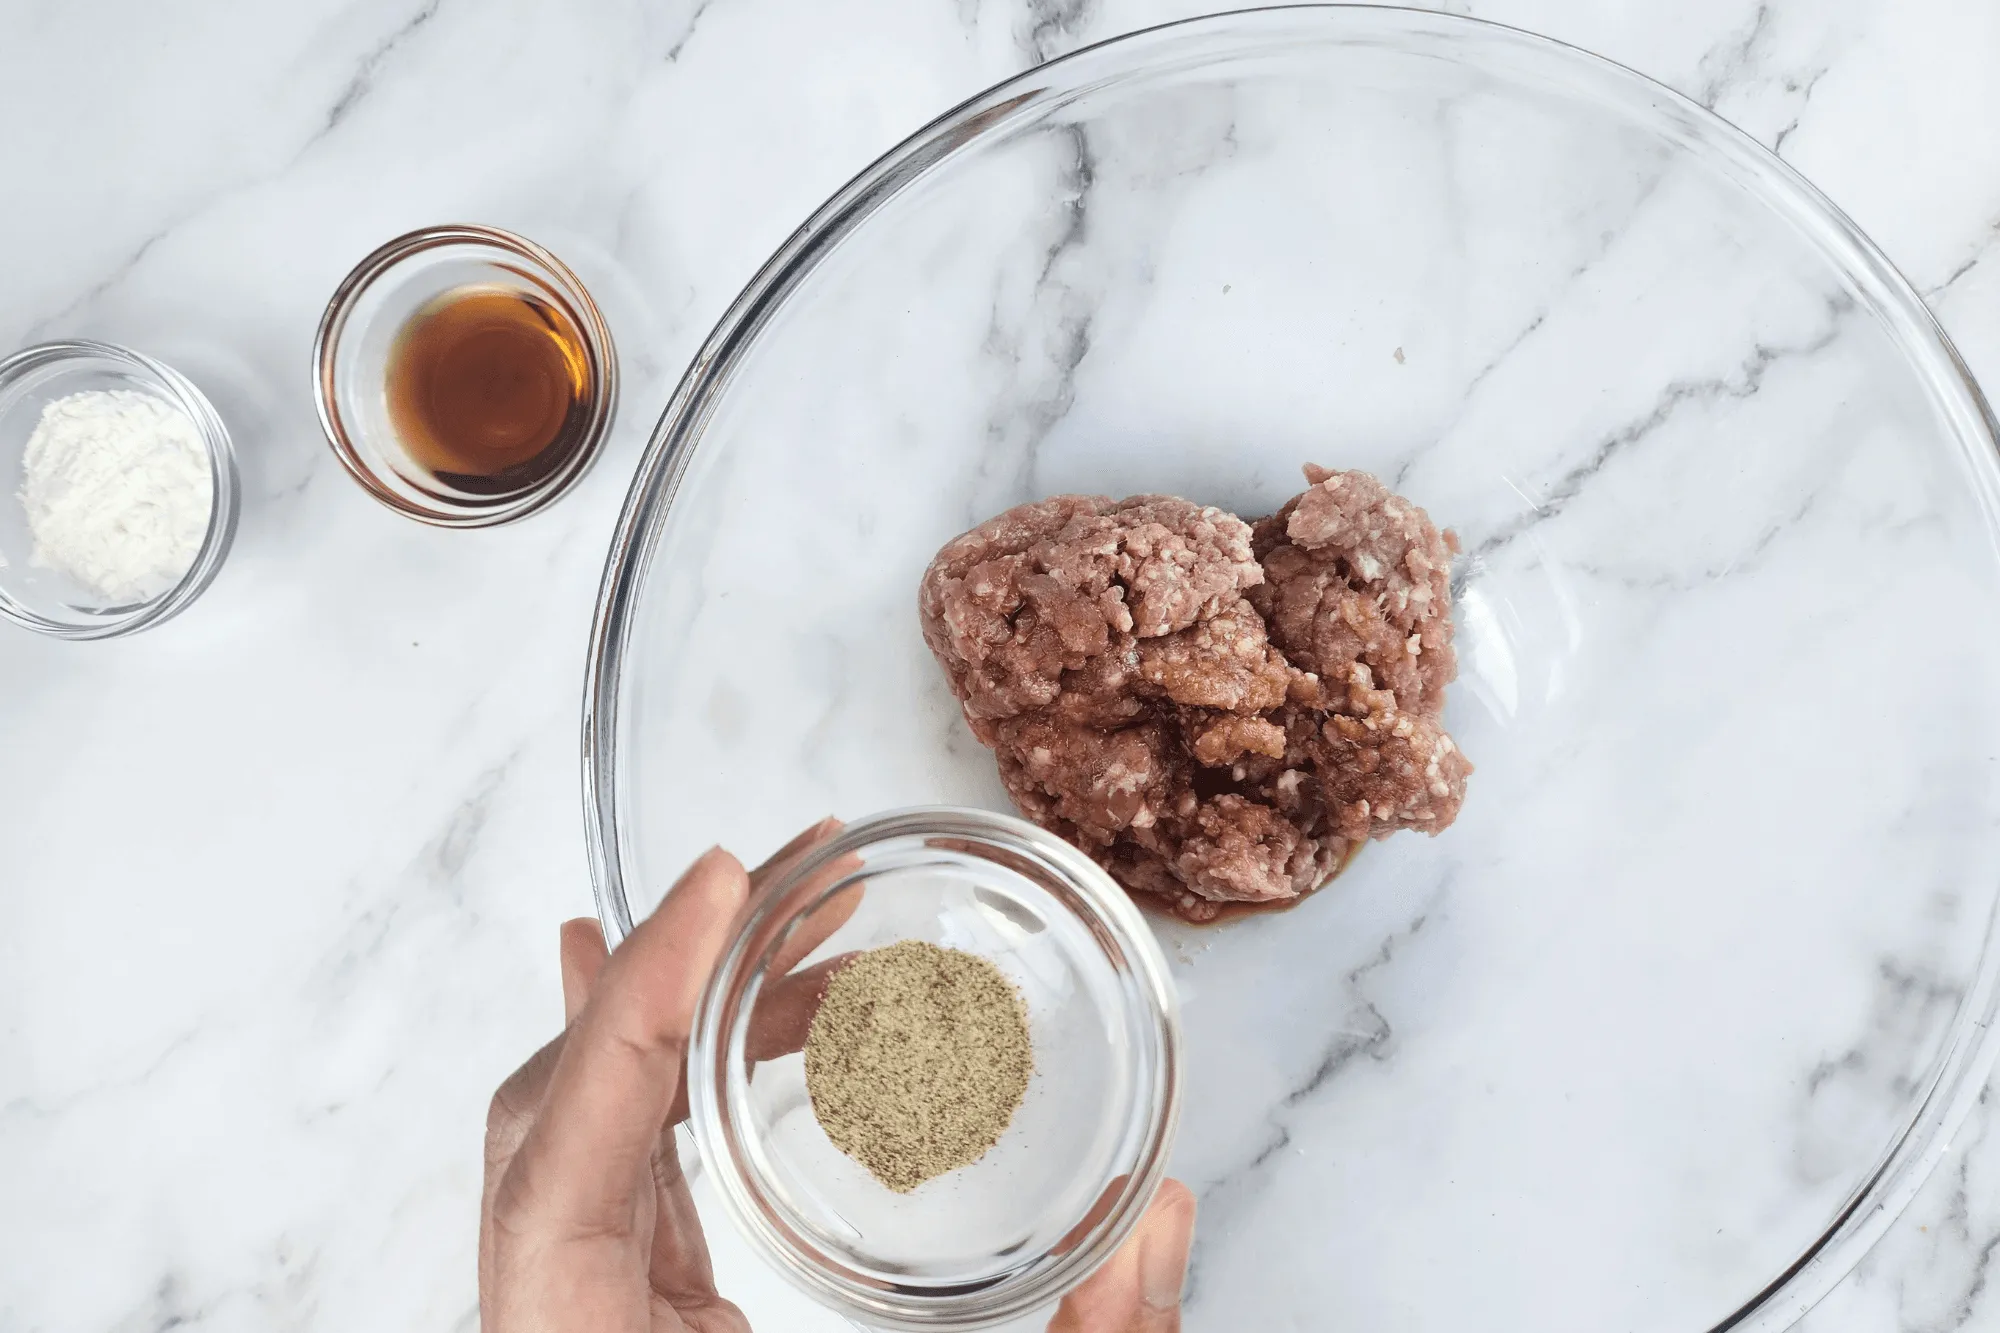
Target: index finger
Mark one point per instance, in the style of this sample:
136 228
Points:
813 929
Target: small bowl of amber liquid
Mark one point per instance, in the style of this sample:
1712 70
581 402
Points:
464 376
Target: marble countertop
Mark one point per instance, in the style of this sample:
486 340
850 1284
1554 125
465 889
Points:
281 878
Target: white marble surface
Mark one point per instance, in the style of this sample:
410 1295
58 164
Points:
278 899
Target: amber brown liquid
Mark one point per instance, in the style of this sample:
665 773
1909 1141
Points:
489 390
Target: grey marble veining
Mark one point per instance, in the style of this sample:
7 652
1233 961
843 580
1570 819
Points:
278 902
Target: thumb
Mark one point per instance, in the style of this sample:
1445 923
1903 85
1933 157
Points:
583 956
1139 1289
611 1088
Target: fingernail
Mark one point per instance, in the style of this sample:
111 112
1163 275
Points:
1163 1267
696 867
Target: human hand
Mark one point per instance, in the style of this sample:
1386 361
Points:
1139 1288
586 1222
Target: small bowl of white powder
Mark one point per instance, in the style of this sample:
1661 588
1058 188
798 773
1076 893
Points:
118 490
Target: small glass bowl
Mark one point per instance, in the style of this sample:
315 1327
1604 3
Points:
49 601
357 333
1083 1155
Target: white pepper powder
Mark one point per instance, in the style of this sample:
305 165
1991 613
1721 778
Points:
917 1059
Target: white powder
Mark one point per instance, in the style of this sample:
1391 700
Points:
117 488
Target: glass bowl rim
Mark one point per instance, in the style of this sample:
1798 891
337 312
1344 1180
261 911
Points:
378 264
1107 910
1952 1085
224 505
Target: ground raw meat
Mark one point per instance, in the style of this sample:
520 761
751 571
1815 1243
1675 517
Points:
1217 711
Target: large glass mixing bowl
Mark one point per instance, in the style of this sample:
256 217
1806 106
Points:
1661 1034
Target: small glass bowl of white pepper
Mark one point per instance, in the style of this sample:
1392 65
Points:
987 1098
118 492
